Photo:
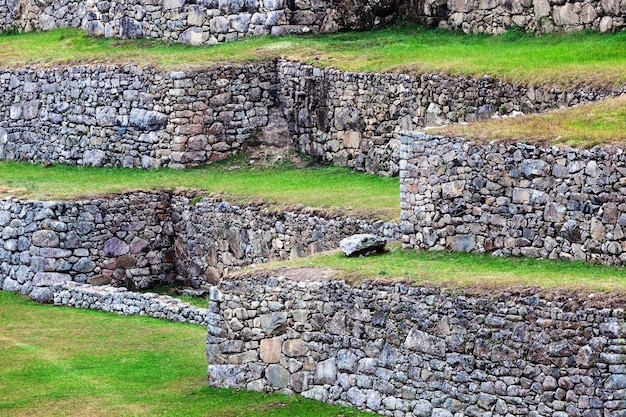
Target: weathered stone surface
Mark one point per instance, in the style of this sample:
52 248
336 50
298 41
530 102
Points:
115 247
47 279
270 350
45 238
98 280
227 376
362 244
326 372
423 342
273 323
277 376
294 348
147 119
42 295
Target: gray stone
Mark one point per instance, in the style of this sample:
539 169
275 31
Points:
130 28
326 372
441 412
452 189
316 393
273 323
147 120
422 408
534 167
11 285
227 376
84 265
94 157
277 376
461 243
45 238
47 279
219 24
173 4
42 295
106 116
192 36
423 342
362 244
356 397
347 360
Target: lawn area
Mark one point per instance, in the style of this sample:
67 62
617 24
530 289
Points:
583 126
329 188
579 58
459 270
56 361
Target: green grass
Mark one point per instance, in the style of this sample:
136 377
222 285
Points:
583 126
56 361
334 189
468 270
579 58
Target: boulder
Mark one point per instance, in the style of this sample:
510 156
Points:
362 245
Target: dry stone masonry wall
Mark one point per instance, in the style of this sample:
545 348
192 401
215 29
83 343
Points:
32 15
121 301
418 352
126 240
212 21
214 238
513 199
131 116
138 240
136 116
353 119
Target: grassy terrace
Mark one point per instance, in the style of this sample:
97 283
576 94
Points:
57 361
463 270
563 59
584 126
282 186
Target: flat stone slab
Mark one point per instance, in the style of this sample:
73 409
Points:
362 245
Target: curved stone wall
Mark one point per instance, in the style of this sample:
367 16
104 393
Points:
513 199
407 351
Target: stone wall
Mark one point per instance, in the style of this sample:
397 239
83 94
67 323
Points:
215 237
407 351
132 116
121 301
126 240
32 15
542 16
144 117
353 119
513 199
140 239
212 21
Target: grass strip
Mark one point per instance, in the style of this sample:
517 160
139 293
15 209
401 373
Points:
336 190
583 126
566 59
56 361
468 270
